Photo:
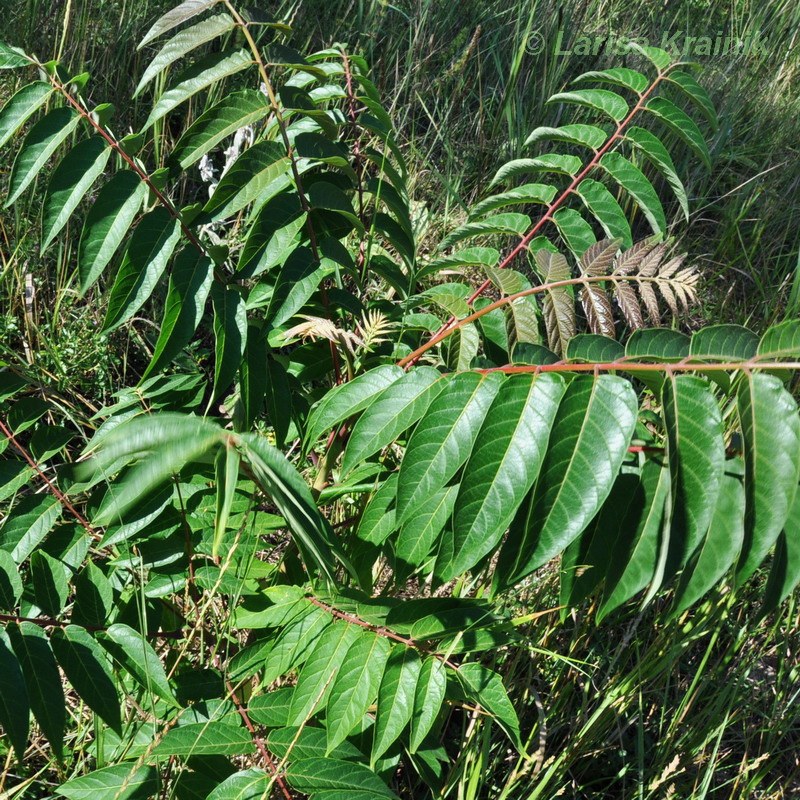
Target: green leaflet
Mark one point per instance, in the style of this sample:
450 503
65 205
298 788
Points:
315 681
635 552
32 520
258 174
42 140
12 57
584 135
70 181
461 347
189 285
125 781
696 454
289 492
86 668
227 472
588 441
722 542
486 688
278 398
724 343
249 784
443 439
182 43
696 93
205 739
576 232
109 219
136 656
682 125
308 742
657 344
377 522
313 775
20 107
527 193
781 341
230 335
49 583
503 466
606 209
771 435
602 100
395 410
428 699
10 582
509 224
420 531
232 113
174 17
785 572
146 257
633 181
355 685
211 69
94 597
14 709
594 348
395 698
652 148
550 162
42 681
343 401
299 278
618 76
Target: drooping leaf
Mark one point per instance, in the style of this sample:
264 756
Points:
420 531
443 438
771 436
49 583
41 141
652 148
20 106
317 676
696 93
618 76
588 441
722 542
696 453
395 698
681 124
230 335
42 681
428 698
583 135
126 781
146 257
633 181
503 466
355 685
70 181
107 222
209 70
32 520
292 497
606 209
784 575
84 664
189 285
174 17
14 708
486 688
131 650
